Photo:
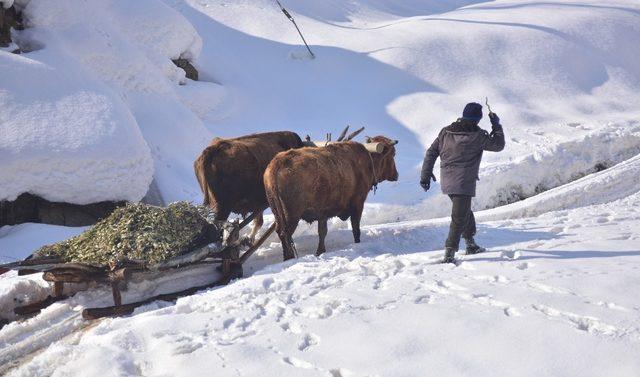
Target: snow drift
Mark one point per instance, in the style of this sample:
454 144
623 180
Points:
65 136
555 71
97 102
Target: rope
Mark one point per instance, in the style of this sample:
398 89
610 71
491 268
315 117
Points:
290 17
375 176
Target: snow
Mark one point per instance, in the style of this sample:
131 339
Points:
555 72
65 136
546 298
98 109
552 296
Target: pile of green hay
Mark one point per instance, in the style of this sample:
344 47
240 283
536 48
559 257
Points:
138 232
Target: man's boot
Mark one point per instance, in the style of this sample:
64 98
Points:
473 247
449 255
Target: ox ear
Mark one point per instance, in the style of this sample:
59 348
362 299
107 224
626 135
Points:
367 139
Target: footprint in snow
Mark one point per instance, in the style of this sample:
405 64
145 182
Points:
291 327
547 288
267 283
425 299
341 372
308 341
512 312
297 362
525 266
492 279
611 305
449 285
511 254
589 324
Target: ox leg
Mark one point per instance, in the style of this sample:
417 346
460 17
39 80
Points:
355 222
287 245
322 233
222 214
286 237
256 225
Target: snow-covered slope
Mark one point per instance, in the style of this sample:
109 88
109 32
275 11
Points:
84 114
555 71
545 299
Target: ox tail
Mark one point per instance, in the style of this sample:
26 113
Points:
205 174
277 207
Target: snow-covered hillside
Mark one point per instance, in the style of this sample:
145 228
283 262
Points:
98 109
86 114
556 72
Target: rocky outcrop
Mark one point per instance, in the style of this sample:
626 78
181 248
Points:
32 208
10 18
191 71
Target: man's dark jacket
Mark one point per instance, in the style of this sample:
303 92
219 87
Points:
460 148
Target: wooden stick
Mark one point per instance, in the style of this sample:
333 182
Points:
115 291
257 244
58 287
343 133
37 306
354 133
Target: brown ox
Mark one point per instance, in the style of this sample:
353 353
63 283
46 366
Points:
230 172
315 184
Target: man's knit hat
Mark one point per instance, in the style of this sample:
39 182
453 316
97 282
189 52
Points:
473 111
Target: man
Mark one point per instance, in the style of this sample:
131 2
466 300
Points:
460 148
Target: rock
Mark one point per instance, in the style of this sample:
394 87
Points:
32 208
190 70
9 18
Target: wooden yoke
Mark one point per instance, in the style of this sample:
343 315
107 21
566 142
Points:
371 147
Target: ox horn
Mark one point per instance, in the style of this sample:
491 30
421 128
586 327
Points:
355 133
343 133
394 142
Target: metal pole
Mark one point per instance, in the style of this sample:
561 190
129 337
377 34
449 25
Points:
286 13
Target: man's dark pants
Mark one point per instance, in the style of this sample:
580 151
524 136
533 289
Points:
463 223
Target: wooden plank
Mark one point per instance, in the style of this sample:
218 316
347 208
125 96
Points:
117 297
37 306
257 244
125 309
58 288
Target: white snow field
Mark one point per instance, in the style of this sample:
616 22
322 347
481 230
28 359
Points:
553 296
97 109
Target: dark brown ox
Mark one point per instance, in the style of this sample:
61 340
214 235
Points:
230 172
315 184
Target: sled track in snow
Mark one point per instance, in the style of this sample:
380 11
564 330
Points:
24 338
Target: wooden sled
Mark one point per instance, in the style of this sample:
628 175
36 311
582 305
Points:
225 252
